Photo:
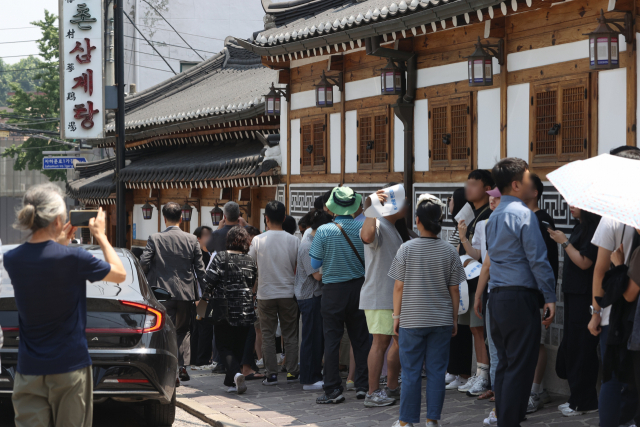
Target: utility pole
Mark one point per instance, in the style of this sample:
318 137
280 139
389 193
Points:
121 212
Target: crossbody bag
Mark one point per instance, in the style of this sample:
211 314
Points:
355 251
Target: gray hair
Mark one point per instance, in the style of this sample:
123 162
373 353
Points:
41 205
231 210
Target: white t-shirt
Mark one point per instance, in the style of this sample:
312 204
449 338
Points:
275 253
480 239
608 236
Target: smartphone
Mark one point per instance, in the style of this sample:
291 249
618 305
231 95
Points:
81 218
547 314
547 225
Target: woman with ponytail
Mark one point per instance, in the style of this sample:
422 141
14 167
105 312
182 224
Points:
427 272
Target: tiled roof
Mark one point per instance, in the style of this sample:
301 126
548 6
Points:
199 165
94 188
352 21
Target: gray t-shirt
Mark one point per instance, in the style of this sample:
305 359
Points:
377 290
306 286
275 253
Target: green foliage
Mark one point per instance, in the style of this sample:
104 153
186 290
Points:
28 155
24 76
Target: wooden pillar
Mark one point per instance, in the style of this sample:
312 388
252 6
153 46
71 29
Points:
632 82
503 96
343 125
288 125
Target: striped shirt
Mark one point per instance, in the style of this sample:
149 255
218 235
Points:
339 262
427 266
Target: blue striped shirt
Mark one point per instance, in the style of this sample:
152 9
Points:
339 262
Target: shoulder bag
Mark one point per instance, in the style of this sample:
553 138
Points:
355 251
217 307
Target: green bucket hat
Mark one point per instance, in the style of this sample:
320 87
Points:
344 201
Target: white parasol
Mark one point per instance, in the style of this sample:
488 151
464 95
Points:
605 185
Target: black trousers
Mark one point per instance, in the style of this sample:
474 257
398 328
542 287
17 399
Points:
248 355
201 341
340 306
578 353
230 342
461 352
515 330
180 314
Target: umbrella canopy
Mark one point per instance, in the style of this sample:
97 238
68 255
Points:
605 185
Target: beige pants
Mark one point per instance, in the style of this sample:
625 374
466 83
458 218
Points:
61 400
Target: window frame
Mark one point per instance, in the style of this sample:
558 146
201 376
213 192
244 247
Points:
450 163
373 113
559 85
313 167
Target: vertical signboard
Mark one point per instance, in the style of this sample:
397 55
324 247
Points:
81 69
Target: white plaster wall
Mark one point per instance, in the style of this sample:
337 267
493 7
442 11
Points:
283 135
307 99
398 145
488 128
335 142
637 88
518 121
448 73
205 211
194 218
295 147
612 109
144 228
351 142
362 88
421 135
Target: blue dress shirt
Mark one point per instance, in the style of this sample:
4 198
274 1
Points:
517 251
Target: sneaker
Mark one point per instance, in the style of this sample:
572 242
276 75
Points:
232 390
544 396
392 393
564 405
334 397
183 374
240 385
279 358
219 369
431 423
314 386
535 403
492 420
293 378
397 424
378 398
270 380
344 373
449 378
383 380
568 412
361 393
424 373
466 387
479 387
206 367
351 386
453 385
260 363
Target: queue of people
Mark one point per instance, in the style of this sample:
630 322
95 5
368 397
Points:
362 283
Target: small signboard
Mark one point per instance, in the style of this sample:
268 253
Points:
49 163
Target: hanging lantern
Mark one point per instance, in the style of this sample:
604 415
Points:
147 211
324 90
186 212
216 215
481 63
392 79
603 46
272 102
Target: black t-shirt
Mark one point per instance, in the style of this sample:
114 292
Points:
574 279
480 214
552 246
218 239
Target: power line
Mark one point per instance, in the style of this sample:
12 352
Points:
182 38
15 116
28 69
21 41
172 45
186 34
148 42
151 54
33 27
16 56
151 68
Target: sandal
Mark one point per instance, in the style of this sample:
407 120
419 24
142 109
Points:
493 399
486 395
254 376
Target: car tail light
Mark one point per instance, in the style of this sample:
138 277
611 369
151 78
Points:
127 381
13 329
154 320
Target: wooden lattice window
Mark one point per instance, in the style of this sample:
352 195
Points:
450 132
559 122
373 139
313 145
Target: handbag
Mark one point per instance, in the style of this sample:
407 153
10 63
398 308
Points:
216 310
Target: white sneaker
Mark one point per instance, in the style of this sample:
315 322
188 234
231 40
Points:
564 405
240 385
545 397
260 363
479 387
466 387
279 358
458 382
314 386
568 412
232 390
535 403
397 424
492 420
431 423
449 378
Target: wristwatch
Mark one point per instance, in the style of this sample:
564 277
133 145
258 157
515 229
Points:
594 311
565 244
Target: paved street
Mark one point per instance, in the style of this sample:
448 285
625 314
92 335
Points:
289 405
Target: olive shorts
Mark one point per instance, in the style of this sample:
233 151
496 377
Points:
61 400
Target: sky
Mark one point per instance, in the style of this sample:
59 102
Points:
14 17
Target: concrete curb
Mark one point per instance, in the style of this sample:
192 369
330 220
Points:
204 413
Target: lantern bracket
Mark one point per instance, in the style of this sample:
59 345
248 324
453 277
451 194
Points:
154 202
193 202
626 29
336 80
285 93
246 208
495 49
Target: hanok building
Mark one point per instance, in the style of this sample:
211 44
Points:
200 139
424 91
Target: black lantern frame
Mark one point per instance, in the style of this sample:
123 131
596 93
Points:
147 211
392 79
324 89
481 62
272 100
604 44
187 210
216 215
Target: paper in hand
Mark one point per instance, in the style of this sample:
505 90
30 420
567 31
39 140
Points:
466 214
393 204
